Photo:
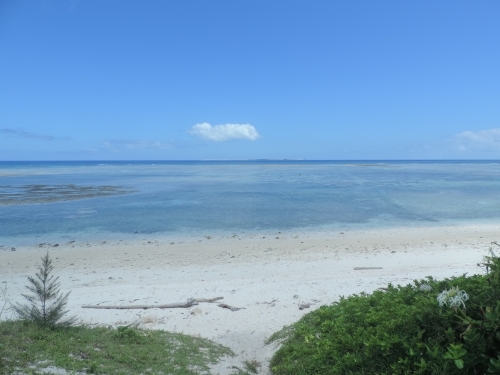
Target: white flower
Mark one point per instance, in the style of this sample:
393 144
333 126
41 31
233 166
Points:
425 288
453 297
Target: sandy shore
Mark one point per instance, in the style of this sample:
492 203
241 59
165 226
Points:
269 278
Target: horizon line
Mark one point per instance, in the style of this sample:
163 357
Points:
229 160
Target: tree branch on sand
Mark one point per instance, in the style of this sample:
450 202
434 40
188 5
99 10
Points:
190 302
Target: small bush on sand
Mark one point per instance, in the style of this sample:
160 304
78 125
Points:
46 305
430 327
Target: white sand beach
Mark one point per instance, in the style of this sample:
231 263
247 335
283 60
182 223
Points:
269 278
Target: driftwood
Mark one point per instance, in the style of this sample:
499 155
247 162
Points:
190 302
208 300
232 308
367 268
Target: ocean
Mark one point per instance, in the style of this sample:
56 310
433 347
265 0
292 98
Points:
107 200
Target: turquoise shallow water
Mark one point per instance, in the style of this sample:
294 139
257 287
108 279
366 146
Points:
172 198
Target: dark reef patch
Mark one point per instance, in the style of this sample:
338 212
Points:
33 194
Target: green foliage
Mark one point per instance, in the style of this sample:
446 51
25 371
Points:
29 348
126 333
249 368
46 305
402 330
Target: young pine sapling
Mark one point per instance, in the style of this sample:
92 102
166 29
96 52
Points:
46 305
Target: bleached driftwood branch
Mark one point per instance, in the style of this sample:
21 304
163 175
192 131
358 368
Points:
208 300
190 302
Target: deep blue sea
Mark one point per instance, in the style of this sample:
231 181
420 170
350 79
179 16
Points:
128 198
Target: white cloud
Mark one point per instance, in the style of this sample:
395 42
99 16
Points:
484 136
481 139
225 132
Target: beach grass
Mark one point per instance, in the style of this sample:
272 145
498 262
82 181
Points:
26 348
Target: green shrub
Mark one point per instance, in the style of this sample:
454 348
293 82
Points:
402 330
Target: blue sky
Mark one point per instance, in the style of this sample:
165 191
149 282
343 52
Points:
249 79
